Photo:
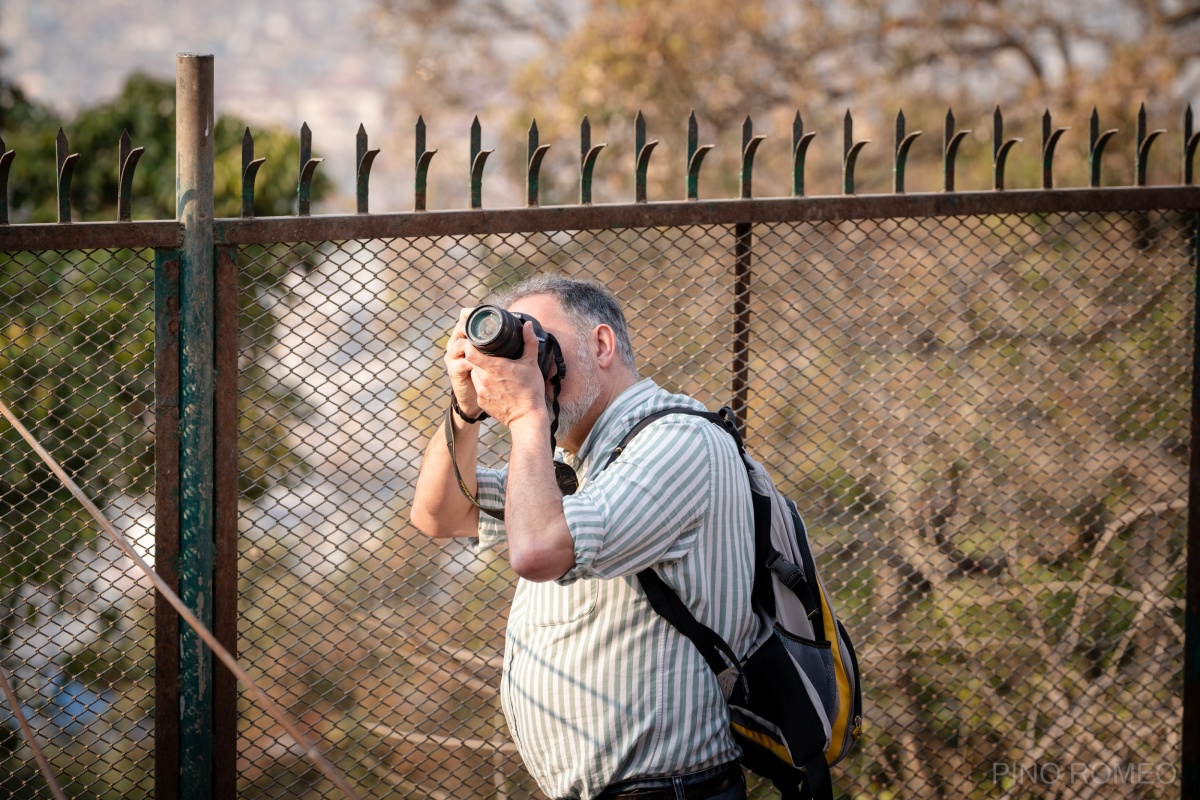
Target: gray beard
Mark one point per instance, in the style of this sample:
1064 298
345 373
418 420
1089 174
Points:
570 414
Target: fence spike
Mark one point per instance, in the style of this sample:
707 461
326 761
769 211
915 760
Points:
127 159
421 176
800 143
643 150
1190 140
850 151
1049 141
533 165
1000 149
5 165
1096 142
587 161
950 143
750 144
364 158
478 159
250 166
695 157
66 168
1142 153
308 165
900 153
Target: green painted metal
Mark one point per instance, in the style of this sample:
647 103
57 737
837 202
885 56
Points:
478 159
533 165
364 158
421 176
308 166
65 169
643 150
950 143
250 166
5 165
1142 151
900 152
1000 150
1096 143
1050 137
126 163
194 208
750 144
850 151
1190 140
800 143
695 157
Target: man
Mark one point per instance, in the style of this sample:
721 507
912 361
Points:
603 696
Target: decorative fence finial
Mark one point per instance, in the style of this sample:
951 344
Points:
308 165
421 176
533 164
364 158
478 159
66 168
642 149
800 143
850 151
250 166
1049 140
1190 140
1142 153
950 143
127 159
695 157
750 144
587 161
1096 142
5 165
900 153
1000 148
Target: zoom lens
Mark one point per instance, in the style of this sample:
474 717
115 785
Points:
496 332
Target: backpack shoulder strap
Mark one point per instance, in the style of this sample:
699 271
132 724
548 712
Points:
724 419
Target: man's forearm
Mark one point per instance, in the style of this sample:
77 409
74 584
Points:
439 508
540 547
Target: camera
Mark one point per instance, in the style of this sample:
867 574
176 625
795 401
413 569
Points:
495 331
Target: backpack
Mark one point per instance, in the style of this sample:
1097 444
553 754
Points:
795 703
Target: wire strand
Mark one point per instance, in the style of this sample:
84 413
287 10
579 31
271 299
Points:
165 590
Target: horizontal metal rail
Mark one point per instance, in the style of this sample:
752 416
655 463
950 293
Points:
262 230
91 235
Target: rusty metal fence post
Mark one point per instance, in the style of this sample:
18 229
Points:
195 124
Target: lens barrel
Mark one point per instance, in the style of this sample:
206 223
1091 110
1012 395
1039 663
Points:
496 332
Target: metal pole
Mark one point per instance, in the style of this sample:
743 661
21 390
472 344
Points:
1191 650
194 208
741 323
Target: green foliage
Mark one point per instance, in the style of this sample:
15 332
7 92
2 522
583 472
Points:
146 108
77 342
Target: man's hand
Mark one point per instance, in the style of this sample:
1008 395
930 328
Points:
459 368
512 391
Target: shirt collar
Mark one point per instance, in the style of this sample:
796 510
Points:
620 415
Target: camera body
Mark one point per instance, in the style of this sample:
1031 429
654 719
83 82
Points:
495 331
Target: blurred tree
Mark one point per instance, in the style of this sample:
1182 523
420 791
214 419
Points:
559 59
77 337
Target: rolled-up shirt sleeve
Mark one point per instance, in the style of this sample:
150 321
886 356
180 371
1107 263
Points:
646 507
492 485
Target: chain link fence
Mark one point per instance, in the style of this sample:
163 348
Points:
76 618
984 420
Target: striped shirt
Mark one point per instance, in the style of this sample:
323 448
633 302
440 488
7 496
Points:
597 687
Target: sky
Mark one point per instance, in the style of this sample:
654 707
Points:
279 62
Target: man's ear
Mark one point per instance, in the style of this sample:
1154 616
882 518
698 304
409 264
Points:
604 342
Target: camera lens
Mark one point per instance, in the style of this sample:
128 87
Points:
495 332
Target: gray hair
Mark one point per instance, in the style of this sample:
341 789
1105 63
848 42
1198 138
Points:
585 302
